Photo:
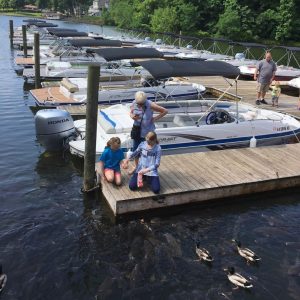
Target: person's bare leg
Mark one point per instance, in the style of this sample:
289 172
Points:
109 175
118 178
136 161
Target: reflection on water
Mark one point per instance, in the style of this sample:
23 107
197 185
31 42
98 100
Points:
57 243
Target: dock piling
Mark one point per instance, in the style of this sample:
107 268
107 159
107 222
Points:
91 128
11 32
24 34
37 60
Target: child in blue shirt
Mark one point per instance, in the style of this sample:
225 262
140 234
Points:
110 161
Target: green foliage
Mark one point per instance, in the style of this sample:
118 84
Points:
234 19
266 24
236 22
285 17
164 19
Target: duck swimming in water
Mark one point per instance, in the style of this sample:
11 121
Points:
237 279
203 254
248 254
3 279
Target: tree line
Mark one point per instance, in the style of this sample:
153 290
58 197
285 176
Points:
245 20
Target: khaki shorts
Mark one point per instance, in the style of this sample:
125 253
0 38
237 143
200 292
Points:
262 87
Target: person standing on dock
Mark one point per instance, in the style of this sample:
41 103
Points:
265 69
141 112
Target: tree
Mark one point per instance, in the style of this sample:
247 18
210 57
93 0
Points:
236 22
164 19
285 17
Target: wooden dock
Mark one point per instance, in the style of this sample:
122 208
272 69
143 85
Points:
246 89
205 176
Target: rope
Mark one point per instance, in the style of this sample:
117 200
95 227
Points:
90 190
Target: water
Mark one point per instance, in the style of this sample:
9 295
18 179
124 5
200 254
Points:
56 243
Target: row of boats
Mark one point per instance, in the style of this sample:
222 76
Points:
193 122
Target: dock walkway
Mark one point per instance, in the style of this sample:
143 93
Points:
204 176
246 89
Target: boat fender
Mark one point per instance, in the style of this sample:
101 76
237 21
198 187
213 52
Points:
253 142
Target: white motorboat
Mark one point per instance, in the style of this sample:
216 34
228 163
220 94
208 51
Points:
56 70
283 73
295 83
75 93
195 126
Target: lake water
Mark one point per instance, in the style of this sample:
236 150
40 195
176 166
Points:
56 243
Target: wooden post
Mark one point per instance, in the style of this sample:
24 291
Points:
11 32
180 33
91 128
24 40
37 60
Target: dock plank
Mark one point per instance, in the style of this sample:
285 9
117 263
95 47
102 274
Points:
204 176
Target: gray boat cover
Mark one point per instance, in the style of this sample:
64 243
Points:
160 69
43 24
55 30
69 34
128 53
94 43
34 21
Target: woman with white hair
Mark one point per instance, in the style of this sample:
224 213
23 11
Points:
141 112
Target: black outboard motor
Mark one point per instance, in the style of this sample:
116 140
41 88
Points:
54 128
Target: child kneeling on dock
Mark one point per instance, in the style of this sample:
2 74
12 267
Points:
149 152
110 161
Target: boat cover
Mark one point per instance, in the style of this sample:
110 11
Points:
160 69
128 53
34 21
43 24
55 30
69 33
95 43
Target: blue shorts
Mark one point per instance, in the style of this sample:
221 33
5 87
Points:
137 142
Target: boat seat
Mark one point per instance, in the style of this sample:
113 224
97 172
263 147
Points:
71 87
106 123
179 121
249 115
182 121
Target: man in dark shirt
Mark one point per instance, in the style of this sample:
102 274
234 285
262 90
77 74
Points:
266 69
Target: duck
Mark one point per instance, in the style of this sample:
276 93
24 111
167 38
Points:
248 254
237 279
3 279
203 254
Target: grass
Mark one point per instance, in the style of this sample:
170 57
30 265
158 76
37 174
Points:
18 13
87 19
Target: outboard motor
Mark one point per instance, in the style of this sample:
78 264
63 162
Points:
54 128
